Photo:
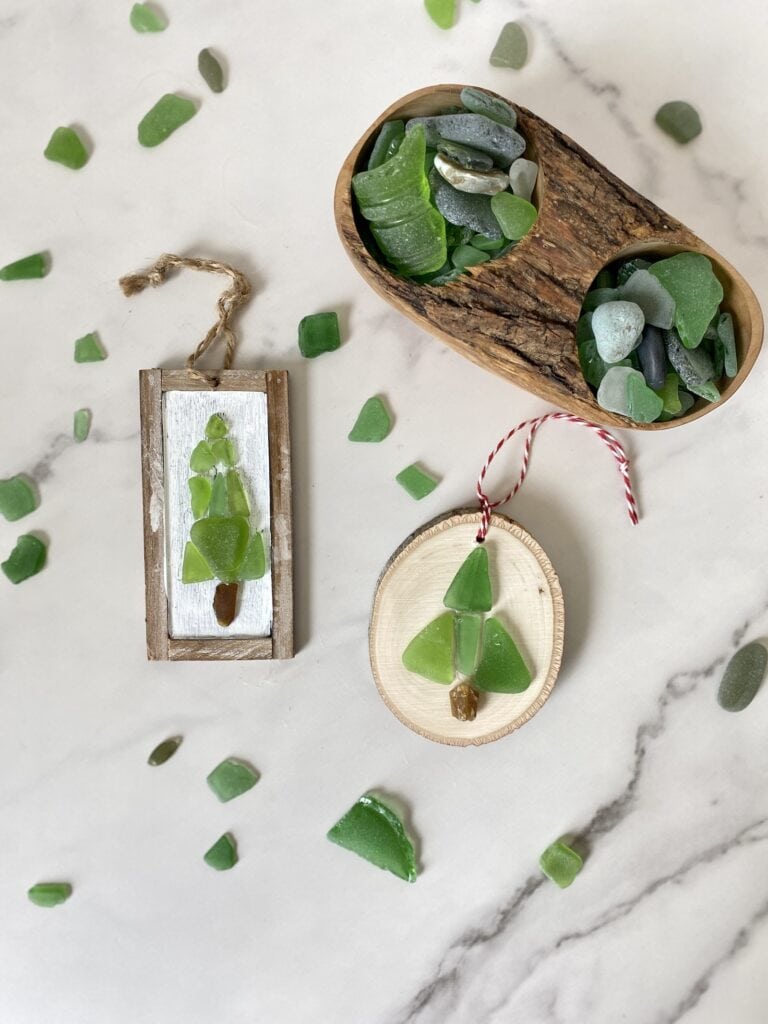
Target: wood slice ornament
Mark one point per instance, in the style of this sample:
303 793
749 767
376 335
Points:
216 482
430 588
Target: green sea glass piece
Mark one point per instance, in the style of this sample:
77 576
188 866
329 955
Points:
468 629
511 49
373 422
318 333
626 270
479 102
464 256
691 281
223 854
485 244
223 451
680 120
374 832
727 340
255 561
470 590
194 568
164 751
222 541
584 328
644 405
199 495
232 778
237 500
211 70
430 653
202 459
561 864
49 894
17 498
144 18
597 297
742 677
66 147
501 668
219 504
81 425
442 12
169 113
89 349
418 483
216 428
388 141
593 366
27 267
670 395
26 559
516 216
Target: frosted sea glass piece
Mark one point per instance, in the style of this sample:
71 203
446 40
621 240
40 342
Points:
237 501
231 779
194 568
468 629
470 589
66 147
561 864
199 495
202 459
255 561
219 504
81 425
26 559
17 498
49 894
222 541
414 480
692 283
169 113
27 267
373 831
223 854
430 653
211 70
216 427
373 422
89 349
501 668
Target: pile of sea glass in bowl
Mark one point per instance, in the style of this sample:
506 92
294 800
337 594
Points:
652 337
444 193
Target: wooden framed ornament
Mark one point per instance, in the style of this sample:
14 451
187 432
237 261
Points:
216 483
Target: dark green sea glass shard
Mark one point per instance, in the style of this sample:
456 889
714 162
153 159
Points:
501 668
26 268
387 143
17 498
318 333
211 70
222 541
164 751
470 590
169 113
373 831
430 653
26 559
194 568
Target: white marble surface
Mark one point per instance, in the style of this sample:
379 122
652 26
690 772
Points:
669 920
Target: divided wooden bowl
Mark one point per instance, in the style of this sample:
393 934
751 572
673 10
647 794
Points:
517 315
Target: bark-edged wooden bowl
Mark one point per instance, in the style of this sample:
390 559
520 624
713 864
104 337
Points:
516 315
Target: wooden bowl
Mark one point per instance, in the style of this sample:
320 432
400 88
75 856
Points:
516 315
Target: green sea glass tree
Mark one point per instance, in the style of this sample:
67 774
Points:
221 544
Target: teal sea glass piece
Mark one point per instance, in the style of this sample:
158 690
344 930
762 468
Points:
255 561
485 244
144 18
89 349
727 340
211 70
219 504
318 333
81 425
430 653
222 541
373 422
680 120
516 216
416 482
216 427
561 864
442 12
17 498
49 894
511 49
169 113
464 256
374 832
223 451
643 404
468 630
743 676
501 668
27 267
237 501
231 779
199 495
202 459
26 559
388 141
691 281
223 854
194 568
470 590
66 147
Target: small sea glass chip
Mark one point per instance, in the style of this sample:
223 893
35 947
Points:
391 135
255 561
516 216
442 12
416 482
199 495
670 395
430 653
237 500
49 894
17 498
81 425
485 244
680 120
511 49
318 333
66 147
211 70
464 701
202 459
223 854
26 559
470 589
373 831
27 267
222 541
89 349
216 427
479 102
232 778
467 628
144 18
164 751
194 568
522 177
373 422
643 404
561 864
501 668
742 677
169 113
692 283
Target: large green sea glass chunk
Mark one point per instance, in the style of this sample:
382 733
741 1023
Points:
17 498
430 653
470 590
318 333
199 495
501 668
691 281
26 559
169 113
27 267
468 628
373 831
373 422
222 541
194 568
255 561
66 147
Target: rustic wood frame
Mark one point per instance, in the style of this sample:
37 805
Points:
160 645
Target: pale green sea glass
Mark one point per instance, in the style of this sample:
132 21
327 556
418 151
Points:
17 498
222 541
414 480
49 894
561 864
169 113
237 502
199 495
202 459
430 653
89 349
216 428
255 561
194 568
81 425
468 629
219 505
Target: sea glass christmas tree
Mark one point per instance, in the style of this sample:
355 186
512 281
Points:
221 543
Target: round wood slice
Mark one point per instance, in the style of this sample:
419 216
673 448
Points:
527 600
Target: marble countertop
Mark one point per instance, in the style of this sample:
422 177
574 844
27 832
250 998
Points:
668 921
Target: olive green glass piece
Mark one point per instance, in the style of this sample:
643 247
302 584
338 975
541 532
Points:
81 425
223 854
17 498
430 653
89 349
318 333
470 590
202 459
222 541
511 49
464 256
211 70
231 779
169 113
692 283
468 628
194 568
26 559
561 864
27 267
223 451
516 216
374 832
66 147
501 668
680 120
388 141
237 500
670 395
742 678
373 422
164 751
416 482
200 488
255 561
442 12
49 894
144 18
216 428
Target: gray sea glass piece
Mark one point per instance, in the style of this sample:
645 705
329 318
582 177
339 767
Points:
652 297
522 177
613 393
479 102
463 208
504 144
693 364
617 328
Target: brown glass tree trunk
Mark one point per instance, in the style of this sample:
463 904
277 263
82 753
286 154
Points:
225 603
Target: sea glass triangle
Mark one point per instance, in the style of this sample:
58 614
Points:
194 569
430 653
501 668
470 590
222 541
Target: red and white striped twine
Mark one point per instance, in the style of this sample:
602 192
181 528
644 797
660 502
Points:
622 463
